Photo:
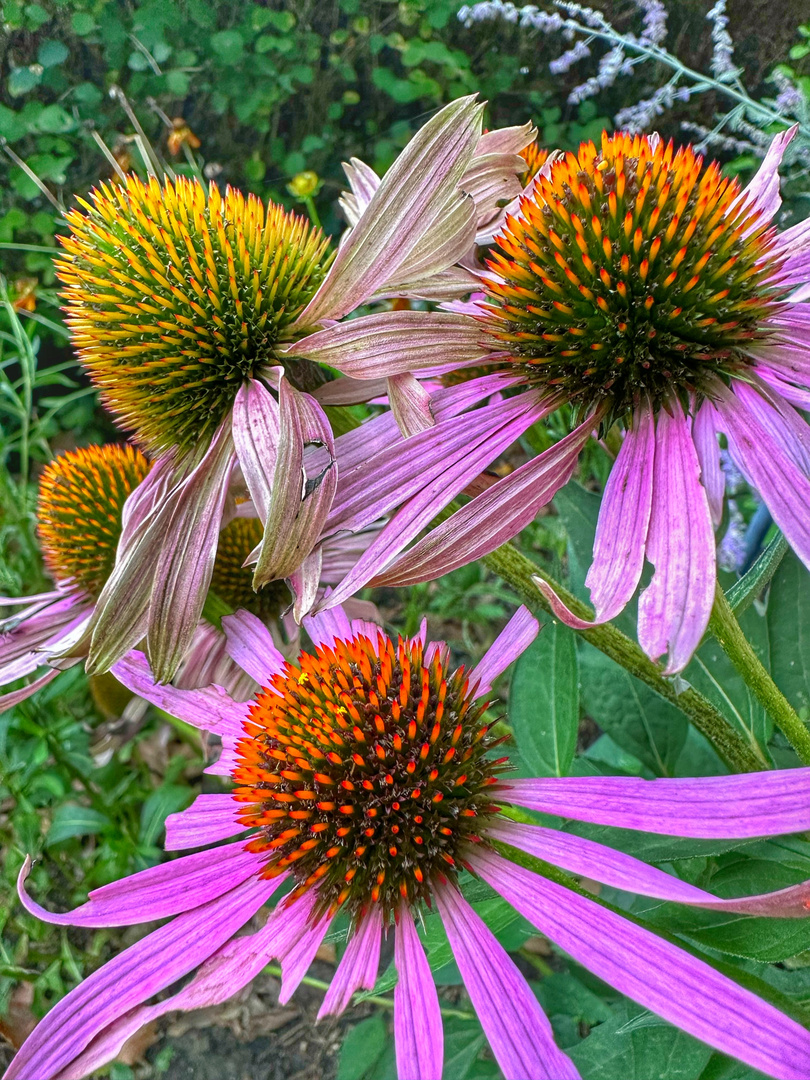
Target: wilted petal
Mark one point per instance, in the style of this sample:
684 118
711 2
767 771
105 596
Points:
421 184
410 404
392 342
300 501
304 583
256 434
762 194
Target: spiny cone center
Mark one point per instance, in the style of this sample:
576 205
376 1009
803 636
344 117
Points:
632 272
175 296
233 582
81 498
367 772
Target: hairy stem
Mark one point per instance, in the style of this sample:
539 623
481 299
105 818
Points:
723 624
517 570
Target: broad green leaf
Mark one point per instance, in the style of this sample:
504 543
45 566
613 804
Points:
563 993
789 628
767 940
544 701
634 1045
362 1049
72 820
634 716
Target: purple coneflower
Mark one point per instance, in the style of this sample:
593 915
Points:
182 304
83 519
639 287
365 783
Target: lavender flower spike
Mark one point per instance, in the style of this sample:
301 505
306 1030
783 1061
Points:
362 725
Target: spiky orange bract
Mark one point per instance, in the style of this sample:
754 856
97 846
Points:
632 273
535 157
175 297
366 769
233 582
81 496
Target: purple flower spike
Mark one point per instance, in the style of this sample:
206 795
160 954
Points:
391 726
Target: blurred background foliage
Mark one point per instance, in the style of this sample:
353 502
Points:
272 97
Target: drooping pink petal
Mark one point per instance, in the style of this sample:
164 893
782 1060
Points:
358 966
783 486
516 636
392 342
516 1027
185 561
593 860
221 976
417 1019
762 194
780 420
797 396
410 404
418 194
209 818
14 697
346 391
670 982
363 182
304 583
299 952
300 500
487 521
704 436
134 976
674 609
256 435
727 807
210 708
155 893
32 629
251 645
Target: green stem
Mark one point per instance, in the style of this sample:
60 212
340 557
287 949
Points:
517 570
723 624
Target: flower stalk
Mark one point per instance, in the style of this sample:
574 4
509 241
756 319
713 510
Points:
723 624
519 572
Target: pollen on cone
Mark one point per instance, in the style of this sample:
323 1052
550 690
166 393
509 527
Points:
174 296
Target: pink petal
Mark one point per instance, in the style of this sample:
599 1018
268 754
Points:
209 818
711 807
488 520
516 636
516 1027
417 1019
251 645
674 609
155 893
132 977
682 989
704 436
410 404
304 582
14 697
358 966
210 708
592 860
762 194
297 956
328 626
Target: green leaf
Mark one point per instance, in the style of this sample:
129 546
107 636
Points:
362 1048
51 53
82 23
544 701
767 940
55 120
228 45
634 1045
72 820
633 715
788 620
23 79
165 800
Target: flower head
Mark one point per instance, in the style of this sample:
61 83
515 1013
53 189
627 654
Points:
81 500
367 769
631 274
301 766
535 157
175 296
